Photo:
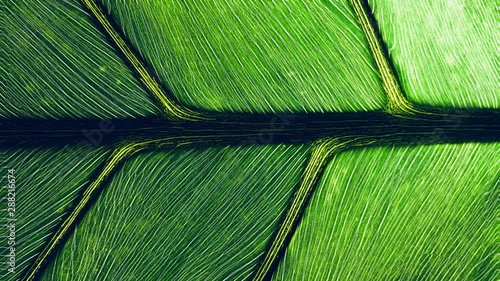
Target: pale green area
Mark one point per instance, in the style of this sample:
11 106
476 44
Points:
54 64
446 52
259 56
401 213
47 182
187 214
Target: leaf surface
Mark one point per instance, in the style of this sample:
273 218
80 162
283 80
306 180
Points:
185 214
255 57
56 64
401 213
48 180
177 203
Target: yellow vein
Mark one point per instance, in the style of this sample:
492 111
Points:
321 152
172 109
118 155
398 104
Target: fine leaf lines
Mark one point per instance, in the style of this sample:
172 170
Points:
213 208
172 109
237 57
42 208
351 229
446 53
322 150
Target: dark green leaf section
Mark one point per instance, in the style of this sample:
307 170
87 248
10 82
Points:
56 64
284 56
401 213
47 180
445 52
186 214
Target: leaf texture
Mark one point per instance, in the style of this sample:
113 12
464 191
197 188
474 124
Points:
445 52
285 56
209 212
401 213
56 65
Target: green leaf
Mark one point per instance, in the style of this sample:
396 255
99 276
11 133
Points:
249 141
47 181
423 213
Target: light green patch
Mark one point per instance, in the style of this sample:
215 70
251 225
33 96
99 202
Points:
445 51
400 213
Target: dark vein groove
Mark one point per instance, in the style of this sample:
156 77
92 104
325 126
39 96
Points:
239 129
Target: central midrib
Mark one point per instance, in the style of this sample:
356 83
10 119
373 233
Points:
241 129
